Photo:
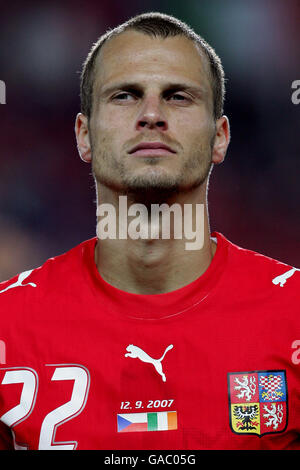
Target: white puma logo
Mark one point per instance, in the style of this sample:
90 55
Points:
21 278
281 280
136 352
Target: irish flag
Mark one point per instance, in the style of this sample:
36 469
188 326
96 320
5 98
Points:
160 421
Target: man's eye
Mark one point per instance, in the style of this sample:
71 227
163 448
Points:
178 97
123 96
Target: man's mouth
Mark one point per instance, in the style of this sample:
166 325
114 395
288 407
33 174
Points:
152 149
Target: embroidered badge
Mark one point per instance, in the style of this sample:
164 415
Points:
258 402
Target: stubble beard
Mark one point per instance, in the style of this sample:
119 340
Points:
153 187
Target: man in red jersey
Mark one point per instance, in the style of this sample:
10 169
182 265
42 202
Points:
138 343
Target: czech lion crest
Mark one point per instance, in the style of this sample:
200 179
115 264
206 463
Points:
258 402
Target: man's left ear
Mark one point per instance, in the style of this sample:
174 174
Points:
83 138
222 138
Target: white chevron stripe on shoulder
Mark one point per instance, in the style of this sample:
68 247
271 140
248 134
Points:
22 276
281 280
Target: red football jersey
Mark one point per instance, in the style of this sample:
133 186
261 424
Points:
213 365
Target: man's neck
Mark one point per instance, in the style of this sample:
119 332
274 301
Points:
155 266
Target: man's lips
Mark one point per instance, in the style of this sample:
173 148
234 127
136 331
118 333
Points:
151 149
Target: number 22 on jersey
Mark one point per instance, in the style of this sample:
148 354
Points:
69 410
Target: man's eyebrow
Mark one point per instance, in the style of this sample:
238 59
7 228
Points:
192 88
167 87
108 89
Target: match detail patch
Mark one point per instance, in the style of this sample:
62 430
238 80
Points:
137 422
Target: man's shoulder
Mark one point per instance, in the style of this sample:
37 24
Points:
54 273
261 270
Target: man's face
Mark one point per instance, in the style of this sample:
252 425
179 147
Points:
151 90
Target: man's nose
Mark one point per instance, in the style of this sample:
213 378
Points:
151 115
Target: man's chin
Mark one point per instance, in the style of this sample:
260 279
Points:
151 188
151 192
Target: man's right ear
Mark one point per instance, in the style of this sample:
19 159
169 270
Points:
83 138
